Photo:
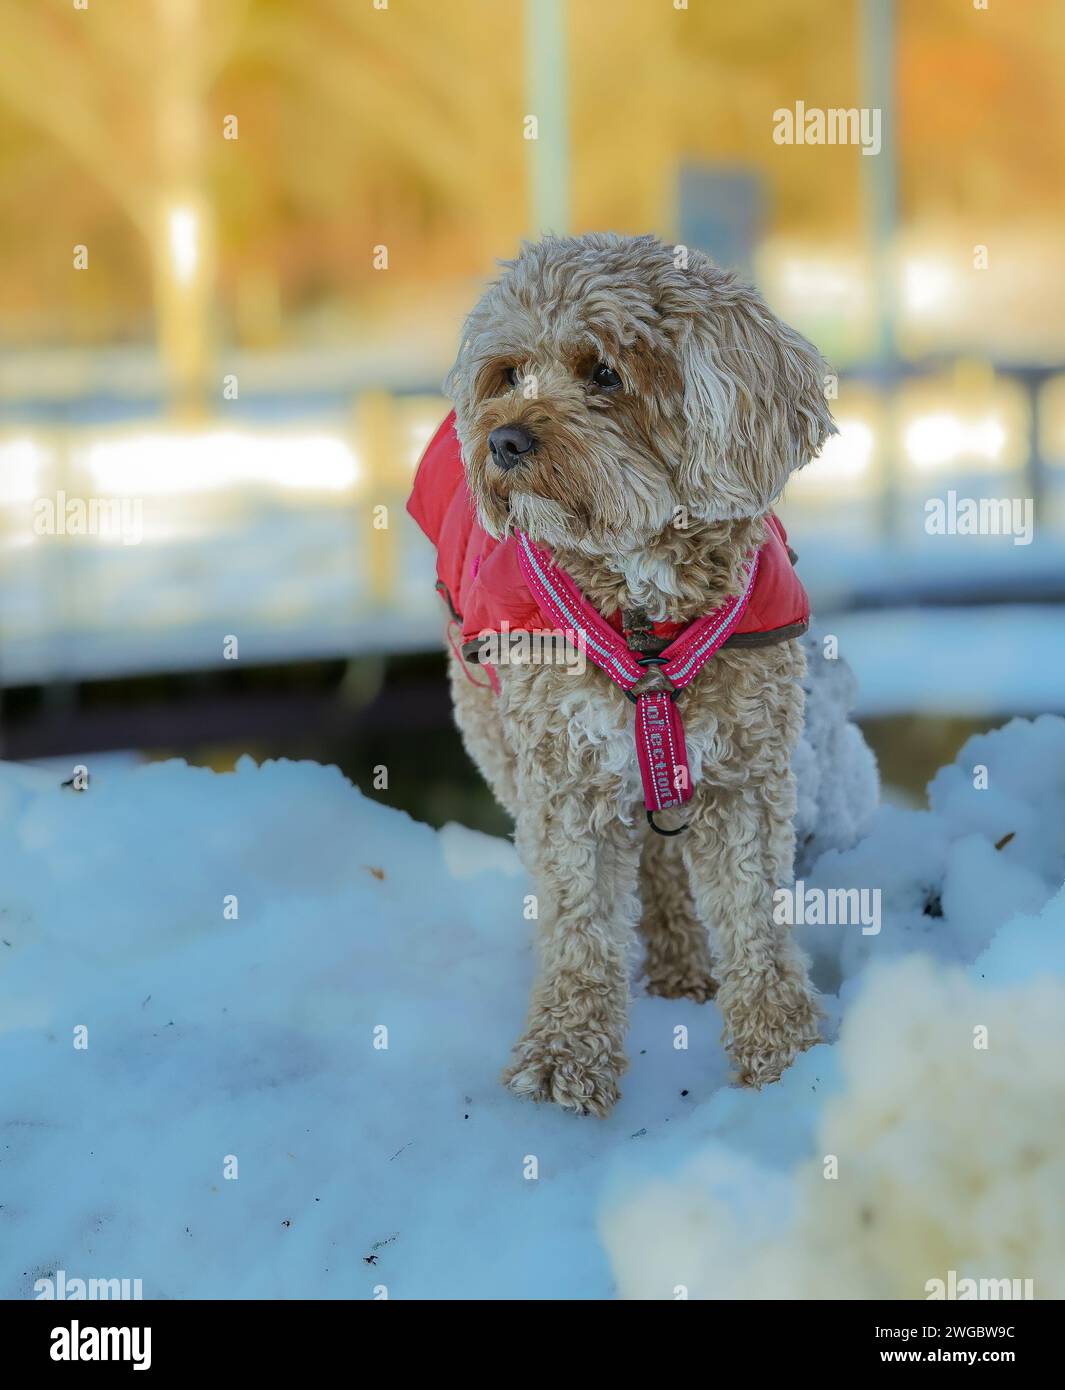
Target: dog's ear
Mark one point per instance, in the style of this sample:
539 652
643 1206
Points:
754 400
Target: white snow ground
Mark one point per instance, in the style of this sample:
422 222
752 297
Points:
211 1038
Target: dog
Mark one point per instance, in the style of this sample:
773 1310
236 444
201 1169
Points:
632 411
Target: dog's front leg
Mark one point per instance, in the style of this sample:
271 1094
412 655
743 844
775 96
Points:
738 849
586 879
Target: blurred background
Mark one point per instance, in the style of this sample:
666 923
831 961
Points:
238 237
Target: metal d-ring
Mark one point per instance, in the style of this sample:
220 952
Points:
671 693
658 829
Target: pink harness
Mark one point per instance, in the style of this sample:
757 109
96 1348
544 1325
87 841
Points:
660 747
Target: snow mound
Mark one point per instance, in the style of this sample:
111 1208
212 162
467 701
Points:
931 1138
297 1002
941 1151
991 844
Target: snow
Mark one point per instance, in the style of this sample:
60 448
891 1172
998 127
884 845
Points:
408 1170
950 1153
948 1158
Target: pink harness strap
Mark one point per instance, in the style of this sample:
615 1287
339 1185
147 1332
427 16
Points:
659 729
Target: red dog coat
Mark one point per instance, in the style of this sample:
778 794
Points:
482 581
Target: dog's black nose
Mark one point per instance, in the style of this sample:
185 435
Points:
509 445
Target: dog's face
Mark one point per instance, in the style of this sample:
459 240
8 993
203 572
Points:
606 390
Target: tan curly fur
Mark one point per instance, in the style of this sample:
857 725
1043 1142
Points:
650 493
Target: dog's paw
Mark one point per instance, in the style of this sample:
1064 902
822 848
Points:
695 984
579 1074
768 1027
758 1067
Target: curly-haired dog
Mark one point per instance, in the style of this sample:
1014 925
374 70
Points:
634 413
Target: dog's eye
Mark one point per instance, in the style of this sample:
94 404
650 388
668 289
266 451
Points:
606 377
513 376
